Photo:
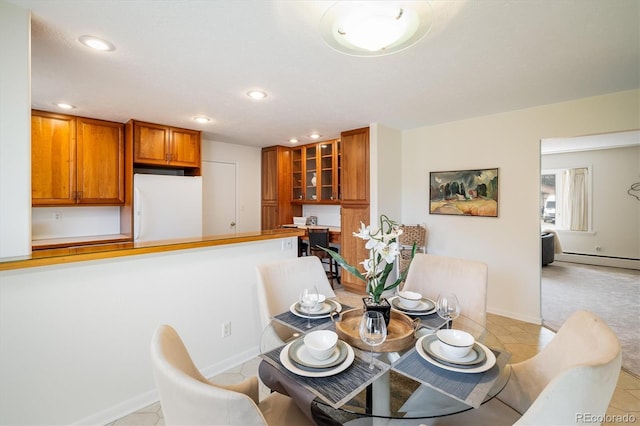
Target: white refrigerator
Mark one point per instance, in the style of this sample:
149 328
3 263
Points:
166 207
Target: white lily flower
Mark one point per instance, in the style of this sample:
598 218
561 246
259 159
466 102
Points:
383 247
375 245
390 252
363 233
371 268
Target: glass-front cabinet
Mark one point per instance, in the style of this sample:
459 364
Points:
296 174
329 170
311 172
315 173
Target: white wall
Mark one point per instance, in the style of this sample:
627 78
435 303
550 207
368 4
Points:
248 169
386 166
74 345
616 214
509 244
74 221
15 130
327 214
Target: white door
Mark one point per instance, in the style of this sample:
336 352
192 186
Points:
219 198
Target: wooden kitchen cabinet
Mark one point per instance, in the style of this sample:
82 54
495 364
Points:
315 174
276 207
355 166
329 170
165 146
353 249
76 161
354 148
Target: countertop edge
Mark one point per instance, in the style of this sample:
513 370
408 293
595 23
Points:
108 251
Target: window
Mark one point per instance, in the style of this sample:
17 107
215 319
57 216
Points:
566 198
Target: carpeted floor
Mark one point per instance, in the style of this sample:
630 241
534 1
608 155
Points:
611 293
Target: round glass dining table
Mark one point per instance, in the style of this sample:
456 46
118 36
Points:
404 390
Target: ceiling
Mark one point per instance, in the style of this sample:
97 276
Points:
178 59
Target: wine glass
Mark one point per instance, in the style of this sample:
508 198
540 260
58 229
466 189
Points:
373 330
308 300
448 307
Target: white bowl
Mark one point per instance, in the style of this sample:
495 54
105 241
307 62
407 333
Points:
321 343
455 344
320 304
409 299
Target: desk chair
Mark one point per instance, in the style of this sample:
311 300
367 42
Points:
319 237
188 398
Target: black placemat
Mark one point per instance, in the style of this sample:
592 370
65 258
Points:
335 390
470 388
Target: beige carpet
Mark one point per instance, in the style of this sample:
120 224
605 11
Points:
611 293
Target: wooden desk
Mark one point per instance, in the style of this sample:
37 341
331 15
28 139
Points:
334 232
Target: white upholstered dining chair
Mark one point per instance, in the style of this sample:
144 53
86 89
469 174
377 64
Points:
430 274
279 286
570 382
188 398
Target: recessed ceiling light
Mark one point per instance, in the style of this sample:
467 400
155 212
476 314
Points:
96 43
375 28
257 94
64 105
293 140
201 119
315 135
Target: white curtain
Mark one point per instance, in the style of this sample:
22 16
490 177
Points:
575 199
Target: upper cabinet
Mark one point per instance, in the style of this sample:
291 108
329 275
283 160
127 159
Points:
276 207
355 166
315 173
330 170
76 160
164 146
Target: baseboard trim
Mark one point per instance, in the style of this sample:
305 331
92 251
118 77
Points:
145 399
613 262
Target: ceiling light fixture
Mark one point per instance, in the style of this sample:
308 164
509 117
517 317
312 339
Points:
201 119
96 43
315 135
257 94
293 140
375 28
64 105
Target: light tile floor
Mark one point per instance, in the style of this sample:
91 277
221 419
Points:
522 339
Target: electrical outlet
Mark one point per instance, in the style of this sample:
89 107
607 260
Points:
57 216
226 329
287 244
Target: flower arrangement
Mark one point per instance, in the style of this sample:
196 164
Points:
382 243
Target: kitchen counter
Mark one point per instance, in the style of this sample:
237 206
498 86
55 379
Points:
81 253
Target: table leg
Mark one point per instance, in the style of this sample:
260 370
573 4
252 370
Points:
381 398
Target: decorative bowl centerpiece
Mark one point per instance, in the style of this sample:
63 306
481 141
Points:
401 331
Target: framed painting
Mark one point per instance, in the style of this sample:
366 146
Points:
464 192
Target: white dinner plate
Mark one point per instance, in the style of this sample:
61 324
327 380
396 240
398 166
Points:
323 313
426 306
289 365
490 362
